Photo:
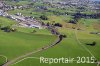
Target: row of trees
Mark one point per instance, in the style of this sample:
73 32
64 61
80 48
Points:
79 15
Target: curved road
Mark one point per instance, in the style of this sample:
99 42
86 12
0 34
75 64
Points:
59 39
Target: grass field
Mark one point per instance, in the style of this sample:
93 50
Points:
24 40
15 44
17 3
6 22
69 47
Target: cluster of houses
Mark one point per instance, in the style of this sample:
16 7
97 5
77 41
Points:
91 5
7 7
23 21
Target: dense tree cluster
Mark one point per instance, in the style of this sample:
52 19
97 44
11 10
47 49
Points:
80 15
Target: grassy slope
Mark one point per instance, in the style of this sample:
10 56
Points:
23 40
5 21
38 31
69 47
17 3
15 44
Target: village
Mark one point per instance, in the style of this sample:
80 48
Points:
31 29
23 21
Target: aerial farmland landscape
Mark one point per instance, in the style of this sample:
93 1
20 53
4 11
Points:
49 32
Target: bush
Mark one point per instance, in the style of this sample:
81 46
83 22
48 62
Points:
58 24
92 44
43 17
73 21
6 29
33 31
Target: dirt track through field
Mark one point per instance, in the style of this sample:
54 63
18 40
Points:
58 40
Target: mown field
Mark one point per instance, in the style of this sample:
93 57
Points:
15 44
69 47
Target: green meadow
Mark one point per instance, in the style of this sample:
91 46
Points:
25 40
69 47
14 44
